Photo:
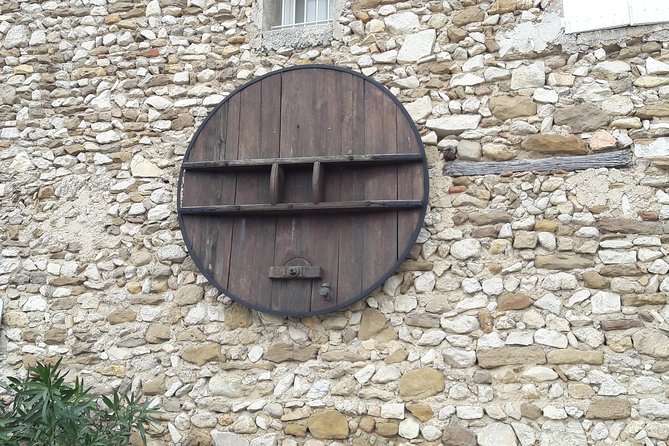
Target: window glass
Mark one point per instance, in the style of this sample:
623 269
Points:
299 11
288 14
311 10
323 12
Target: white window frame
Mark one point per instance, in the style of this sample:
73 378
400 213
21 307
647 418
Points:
289 6
592 15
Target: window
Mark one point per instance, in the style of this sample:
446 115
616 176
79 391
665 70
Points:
589 15
297 23
302 12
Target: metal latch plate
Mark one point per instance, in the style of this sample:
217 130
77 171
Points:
294 272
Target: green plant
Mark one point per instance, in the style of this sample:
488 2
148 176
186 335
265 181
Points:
48 411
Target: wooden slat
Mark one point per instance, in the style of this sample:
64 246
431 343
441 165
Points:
618 158
211 237
251 234
409 183
292 232
341 160
380 241
209 142
351 226
270 145
302 208
324 229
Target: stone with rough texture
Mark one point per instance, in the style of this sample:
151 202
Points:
453 125
609 409
488 359
374 325
556 433
287 352
563 261
652 408
628 226
603 140
328 425
122 315
497 434
540 374
402 23
457 435
420 108
409 428
421 383
653 111
188 295
509 107
465 249
651 342
16 37
555 144
228 439
515 301
459 358
582 118
604 302
468 15
421 411
529 76
417 46
573 356
142 168
202 353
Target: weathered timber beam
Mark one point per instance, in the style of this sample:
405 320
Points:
342 160
286 208
619 158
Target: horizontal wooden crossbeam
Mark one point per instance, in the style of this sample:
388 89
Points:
287 208
344 160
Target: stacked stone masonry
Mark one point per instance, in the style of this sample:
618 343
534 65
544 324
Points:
533 310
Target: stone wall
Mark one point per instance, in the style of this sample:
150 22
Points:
537 314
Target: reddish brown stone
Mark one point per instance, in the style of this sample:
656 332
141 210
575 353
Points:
649 215
486 320
457 189
515 301
153 52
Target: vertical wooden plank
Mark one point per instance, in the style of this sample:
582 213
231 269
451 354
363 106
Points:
211 236
351 226
251 235
409 182
380 240
324 229
297 138
270 116
217 232
249 123
210 141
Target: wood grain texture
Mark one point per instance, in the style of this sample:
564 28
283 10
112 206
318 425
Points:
619 158
311 168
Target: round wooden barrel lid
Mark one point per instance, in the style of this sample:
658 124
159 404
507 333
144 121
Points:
303 190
